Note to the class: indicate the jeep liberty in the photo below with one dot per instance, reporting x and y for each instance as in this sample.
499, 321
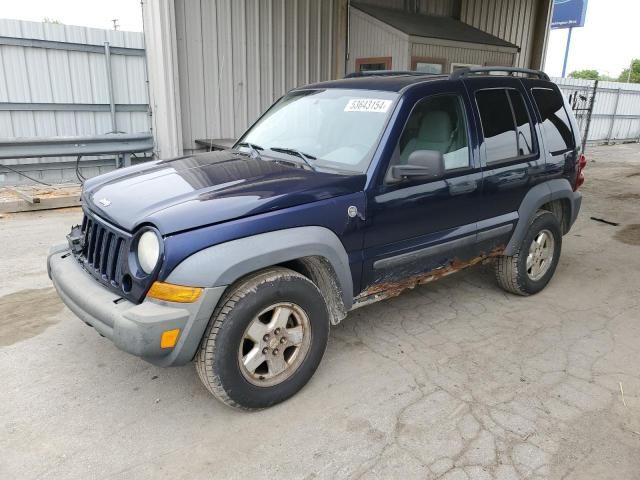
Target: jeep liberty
343, 193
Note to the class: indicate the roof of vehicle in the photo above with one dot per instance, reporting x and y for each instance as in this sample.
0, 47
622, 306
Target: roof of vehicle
389, 83
395, 81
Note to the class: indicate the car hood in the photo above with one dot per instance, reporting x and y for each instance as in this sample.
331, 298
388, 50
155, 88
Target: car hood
204, 189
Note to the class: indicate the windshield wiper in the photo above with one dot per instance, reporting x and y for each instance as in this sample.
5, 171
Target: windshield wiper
253, 147
296, 153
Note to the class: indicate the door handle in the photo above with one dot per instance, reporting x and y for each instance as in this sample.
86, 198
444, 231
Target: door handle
462, 188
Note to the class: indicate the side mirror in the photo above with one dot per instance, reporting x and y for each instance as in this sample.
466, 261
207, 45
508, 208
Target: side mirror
426, 164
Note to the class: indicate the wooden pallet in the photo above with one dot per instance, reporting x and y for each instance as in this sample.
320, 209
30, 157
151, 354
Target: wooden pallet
28, 198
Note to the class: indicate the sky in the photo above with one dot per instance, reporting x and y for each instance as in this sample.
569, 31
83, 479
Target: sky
89, 13
607, 42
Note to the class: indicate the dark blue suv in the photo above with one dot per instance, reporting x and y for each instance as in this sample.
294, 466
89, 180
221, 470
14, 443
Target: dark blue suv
342, 194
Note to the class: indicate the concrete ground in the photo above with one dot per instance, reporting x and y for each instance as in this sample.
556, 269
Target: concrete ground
453, 380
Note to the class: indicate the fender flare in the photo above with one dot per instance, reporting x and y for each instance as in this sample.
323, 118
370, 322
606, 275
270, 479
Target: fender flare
223, 264
542, 193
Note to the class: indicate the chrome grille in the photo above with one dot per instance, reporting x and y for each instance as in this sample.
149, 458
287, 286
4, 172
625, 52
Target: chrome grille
103, 251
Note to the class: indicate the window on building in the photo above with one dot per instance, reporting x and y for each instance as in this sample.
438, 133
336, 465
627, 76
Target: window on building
373, 63
556, 126
460, 66
437, 123
428, 65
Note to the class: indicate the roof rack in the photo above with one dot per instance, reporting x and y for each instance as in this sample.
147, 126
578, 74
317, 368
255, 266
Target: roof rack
385, 73
466, 72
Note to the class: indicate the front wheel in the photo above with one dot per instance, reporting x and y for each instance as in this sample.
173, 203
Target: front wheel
265, 340
531, 267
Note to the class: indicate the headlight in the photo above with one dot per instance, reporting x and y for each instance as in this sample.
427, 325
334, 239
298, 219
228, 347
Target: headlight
148, 251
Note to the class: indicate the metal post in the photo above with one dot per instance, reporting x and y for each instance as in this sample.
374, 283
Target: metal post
566, 53
347, 53
613, 118
112, 103
589, 112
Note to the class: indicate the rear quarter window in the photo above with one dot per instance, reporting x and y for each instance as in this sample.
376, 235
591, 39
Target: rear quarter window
556, 126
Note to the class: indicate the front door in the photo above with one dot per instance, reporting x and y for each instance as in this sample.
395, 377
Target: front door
414, 225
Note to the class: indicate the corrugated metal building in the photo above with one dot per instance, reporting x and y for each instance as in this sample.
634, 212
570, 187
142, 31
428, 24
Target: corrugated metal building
215, 65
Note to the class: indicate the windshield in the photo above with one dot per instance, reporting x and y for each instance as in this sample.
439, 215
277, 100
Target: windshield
334, 128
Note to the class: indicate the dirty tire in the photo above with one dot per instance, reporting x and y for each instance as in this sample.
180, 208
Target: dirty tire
511, 271
217, 361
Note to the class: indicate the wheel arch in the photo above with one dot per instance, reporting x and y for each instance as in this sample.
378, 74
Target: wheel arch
320, 271
553, 194
315, 252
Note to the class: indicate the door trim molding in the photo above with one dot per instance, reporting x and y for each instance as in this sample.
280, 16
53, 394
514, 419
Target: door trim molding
439, 248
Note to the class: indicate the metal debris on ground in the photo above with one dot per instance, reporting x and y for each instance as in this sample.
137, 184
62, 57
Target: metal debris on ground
602, 220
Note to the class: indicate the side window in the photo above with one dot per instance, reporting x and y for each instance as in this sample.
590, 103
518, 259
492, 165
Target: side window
506, 124
437, 123
523, 123
501, 141
558, 136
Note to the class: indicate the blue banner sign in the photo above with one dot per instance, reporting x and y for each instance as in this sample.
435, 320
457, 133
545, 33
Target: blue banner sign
568, 13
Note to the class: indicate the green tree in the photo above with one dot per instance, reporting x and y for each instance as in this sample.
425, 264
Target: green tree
634, 77
586, 74
52, 20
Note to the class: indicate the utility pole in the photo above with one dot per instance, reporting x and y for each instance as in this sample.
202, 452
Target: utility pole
115, 24
566, 52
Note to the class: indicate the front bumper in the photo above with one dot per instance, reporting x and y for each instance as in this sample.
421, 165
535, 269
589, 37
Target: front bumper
136, 329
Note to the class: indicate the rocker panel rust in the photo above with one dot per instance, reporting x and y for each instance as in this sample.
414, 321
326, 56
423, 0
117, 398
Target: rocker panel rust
384, 290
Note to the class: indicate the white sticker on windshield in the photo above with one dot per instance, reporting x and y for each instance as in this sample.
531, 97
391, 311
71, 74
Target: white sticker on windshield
367, 105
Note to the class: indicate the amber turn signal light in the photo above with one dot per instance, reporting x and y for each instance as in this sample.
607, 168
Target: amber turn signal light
174, 293
169, 338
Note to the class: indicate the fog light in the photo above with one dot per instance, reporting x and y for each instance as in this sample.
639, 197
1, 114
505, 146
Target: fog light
169, 338
174, 293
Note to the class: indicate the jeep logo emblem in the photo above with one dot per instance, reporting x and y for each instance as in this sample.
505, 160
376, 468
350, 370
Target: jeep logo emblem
104, 202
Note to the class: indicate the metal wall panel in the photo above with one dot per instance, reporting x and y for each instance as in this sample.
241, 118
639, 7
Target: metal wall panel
235, 57
370, 37
57, 74
509, 20
444, 8
425, 7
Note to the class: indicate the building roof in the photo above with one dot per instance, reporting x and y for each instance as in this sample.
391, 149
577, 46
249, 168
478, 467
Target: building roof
430, 26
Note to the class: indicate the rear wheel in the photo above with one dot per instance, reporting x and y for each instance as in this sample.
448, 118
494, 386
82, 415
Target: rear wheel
265, 340
531, 267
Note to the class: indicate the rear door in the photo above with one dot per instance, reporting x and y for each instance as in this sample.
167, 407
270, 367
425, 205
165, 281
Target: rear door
509, 154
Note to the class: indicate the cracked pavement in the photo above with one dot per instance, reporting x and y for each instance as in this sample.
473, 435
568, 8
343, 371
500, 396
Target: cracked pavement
454, 380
